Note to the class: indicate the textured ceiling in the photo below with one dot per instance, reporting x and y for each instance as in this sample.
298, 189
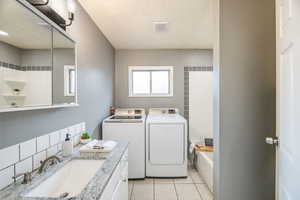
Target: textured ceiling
128, 24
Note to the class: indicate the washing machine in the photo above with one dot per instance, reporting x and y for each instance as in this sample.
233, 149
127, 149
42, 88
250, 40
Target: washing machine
166, 143
128, 124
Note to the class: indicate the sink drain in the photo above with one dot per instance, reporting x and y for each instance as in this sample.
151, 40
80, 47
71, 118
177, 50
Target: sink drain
64, 195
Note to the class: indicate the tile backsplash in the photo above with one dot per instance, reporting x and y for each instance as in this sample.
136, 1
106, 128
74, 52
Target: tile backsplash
27, 155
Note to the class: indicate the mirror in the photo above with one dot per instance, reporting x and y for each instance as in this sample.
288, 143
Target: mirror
64, 70
37, 62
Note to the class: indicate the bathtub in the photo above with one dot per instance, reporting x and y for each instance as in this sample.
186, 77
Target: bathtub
204, 165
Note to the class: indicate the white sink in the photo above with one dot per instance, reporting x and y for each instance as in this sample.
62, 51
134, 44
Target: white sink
69, 180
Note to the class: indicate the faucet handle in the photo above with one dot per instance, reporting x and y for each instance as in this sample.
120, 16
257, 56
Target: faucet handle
27, 177
15, 177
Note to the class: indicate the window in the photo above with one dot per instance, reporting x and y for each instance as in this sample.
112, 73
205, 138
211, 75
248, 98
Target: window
70, 80
150, 81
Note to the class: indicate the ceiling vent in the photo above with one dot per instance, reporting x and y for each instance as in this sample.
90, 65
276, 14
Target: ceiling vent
161, 26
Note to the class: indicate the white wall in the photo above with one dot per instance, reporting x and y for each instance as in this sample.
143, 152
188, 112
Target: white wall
200, 105
38, 88
10, 74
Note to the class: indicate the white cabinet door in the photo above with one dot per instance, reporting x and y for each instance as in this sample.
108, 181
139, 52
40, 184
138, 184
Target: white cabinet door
117, 195
124, 182
121, 190
117, 187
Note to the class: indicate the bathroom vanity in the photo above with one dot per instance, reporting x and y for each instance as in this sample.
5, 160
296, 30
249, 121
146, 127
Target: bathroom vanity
96, 178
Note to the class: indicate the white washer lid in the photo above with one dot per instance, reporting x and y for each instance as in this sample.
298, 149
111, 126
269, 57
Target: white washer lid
166, 118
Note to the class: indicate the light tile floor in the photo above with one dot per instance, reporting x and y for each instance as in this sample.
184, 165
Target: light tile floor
190, 188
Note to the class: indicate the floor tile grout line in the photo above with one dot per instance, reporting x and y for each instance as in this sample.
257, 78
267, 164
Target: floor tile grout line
199, 193
153, 189
131, 192
177, 196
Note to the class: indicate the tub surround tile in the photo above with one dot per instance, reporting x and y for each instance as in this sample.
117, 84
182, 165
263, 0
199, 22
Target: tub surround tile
27, 148
42, 143
188, 69
24, 166
9, 156
6, 177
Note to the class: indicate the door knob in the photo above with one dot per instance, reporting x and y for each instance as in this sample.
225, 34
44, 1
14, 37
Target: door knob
273, 141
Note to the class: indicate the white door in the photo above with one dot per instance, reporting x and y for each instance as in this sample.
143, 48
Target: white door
288, 100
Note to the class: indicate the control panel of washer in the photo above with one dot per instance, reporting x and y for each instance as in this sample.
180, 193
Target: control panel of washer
161, 111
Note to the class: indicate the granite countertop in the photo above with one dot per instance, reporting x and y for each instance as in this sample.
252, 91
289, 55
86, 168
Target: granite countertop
92, 191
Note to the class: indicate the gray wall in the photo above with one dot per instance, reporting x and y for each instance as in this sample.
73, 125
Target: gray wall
36, 57
177, 58
95, 87
247, 100
9, 54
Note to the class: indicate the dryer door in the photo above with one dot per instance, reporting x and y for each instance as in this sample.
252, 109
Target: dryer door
166, 144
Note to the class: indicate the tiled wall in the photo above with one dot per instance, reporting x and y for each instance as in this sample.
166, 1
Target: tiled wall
25, 68
26, 156
188, 69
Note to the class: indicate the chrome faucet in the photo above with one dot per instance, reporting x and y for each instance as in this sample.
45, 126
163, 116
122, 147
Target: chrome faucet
52, 160
27, 176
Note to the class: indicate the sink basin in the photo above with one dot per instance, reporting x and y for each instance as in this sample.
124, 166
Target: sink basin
68, 181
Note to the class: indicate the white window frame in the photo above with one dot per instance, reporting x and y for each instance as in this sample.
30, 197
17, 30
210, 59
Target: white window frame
67, 69
150, 69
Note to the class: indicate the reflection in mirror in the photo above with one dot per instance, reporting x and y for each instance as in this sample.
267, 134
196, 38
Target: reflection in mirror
64, 69
25, 57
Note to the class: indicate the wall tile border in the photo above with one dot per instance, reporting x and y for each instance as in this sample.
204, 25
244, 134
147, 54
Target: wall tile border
7, 172
25, 68
187, 70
